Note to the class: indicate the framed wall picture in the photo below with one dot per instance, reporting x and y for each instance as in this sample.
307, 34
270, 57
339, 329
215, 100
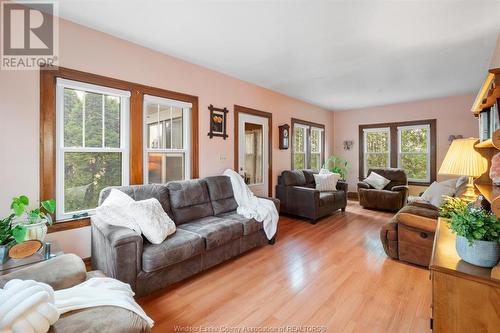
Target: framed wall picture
218, 119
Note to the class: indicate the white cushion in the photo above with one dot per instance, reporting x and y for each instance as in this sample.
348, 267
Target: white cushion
326, 182
377, 181
434, 193
154, 223
115, 210
324, 171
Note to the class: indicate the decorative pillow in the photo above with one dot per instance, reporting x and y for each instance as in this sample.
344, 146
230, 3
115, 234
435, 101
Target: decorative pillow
434, 193
324, 172
115, 210
152, 220
377, 181
326, 182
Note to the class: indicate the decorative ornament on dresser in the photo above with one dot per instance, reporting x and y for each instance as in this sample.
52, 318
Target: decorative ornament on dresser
218, 118
495, 169
35, 220
284, 136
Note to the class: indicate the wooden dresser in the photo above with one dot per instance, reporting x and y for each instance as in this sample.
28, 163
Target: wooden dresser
465, 298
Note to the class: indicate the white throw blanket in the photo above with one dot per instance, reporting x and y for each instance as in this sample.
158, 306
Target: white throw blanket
31, 307
250, 206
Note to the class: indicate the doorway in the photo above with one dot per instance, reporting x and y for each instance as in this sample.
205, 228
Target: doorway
253, 148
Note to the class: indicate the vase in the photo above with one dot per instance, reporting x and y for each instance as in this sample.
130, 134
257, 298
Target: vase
35, 230
480, 253
4, 253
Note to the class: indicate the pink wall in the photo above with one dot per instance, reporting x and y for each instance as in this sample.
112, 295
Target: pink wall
452, 113
495, 59
88, 50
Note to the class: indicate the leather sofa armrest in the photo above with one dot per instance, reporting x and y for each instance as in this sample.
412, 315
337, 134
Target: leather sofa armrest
364, 185
274, 200
342, 186
117, 251
404, 190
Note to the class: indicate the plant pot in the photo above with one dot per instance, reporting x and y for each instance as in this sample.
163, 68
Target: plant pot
35, 230
480, 253
4, 253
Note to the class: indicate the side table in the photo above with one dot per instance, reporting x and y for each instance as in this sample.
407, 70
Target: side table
48, 251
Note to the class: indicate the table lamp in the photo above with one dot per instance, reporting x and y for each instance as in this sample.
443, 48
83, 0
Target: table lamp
463, 160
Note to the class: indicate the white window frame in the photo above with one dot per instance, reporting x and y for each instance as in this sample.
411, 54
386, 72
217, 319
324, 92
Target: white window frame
428, 153
186, 120
320, 144
304, 143
365, 146
61, 149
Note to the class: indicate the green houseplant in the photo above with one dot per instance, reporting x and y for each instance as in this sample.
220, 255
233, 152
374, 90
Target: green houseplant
337, 164
477, 230
34, 220
9, 233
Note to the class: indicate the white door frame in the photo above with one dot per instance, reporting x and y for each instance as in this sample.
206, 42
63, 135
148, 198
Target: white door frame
267, 136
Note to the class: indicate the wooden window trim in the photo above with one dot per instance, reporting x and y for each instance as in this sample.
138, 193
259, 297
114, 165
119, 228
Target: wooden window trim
394, 147
48, 81
308, 151
241, 109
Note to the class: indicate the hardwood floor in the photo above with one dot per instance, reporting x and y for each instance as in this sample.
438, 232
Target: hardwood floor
334, 274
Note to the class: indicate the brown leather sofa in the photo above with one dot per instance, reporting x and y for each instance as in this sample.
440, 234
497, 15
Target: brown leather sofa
298, 196
409, 235
209, 232
390, 198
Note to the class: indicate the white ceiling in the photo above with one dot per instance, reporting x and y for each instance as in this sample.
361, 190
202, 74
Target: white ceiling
336, 54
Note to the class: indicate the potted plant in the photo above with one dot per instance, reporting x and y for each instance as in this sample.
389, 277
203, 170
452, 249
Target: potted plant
35, 220
477, 230
337, 164
9, 234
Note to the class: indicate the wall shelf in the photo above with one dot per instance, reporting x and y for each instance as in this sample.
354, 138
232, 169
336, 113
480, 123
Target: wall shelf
485, 144
491, 193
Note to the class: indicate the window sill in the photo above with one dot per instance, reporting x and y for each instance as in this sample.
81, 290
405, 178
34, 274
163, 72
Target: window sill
419, 183
69, 224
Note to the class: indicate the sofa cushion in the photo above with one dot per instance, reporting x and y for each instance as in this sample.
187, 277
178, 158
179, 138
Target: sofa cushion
309, 176
293, 178
178, 247
189, 200
221, 194
216, 231
142, 192
249, 225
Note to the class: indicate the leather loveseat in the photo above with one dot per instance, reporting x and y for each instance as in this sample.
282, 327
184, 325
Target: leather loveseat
298, 196
209, 231
392, 197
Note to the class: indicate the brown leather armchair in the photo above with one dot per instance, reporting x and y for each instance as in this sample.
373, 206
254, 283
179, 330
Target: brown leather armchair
298, 196
392, 197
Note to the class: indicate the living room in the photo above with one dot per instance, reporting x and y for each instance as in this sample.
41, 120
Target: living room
287, 173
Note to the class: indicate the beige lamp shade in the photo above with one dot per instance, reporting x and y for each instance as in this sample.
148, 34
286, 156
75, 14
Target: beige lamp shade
463, 160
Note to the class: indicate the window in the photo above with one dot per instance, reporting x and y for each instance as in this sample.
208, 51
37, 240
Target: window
406, 145
414, 152
92, 149
167, 132
308, 145
377, 148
